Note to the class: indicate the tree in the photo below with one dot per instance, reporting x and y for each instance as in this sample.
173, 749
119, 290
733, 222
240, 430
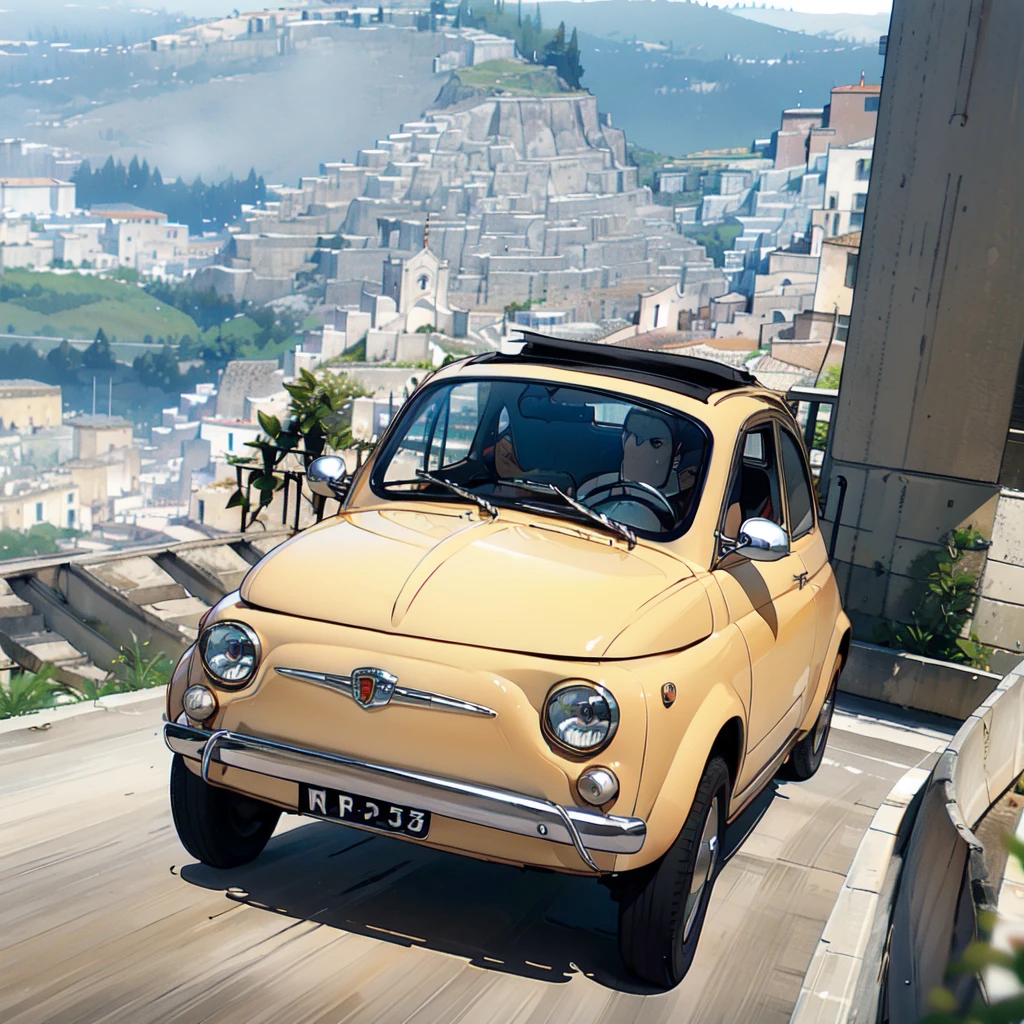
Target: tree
536, 20
565, 58
63, 361
98, 355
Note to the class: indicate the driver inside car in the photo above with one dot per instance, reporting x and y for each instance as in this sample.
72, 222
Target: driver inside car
646, 491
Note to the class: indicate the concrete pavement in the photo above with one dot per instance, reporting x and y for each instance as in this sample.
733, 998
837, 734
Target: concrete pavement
103, 917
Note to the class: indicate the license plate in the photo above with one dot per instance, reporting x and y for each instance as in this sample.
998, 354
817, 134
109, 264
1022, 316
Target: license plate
361, 810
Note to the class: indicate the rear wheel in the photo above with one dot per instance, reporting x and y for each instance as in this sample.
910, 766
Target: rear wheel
662, 907
218, 827
810, 751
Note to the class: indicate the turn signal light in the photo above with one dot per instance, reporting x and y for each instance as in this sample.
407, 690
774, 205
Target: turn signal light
199, 703
597, 786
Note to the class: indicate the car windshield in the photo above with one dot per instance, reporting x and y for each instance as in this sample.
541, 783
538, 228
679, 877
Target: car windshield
514, 442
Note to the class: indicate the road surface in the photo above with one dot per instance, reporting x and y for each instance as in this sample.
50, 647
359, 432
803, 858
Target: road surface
104, 917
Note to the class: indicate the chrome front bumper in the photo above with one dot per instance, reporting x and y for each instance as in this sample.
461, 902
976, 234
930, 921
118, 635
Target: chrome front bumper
587, 831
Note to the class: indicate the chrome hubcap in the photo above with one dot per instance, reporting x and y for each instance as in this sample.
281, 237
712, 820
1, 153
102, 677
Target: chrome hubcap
703, 869
821, 729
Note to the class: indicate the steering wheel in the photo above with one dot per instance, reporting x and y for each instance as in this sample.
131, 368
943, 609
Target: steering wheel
635, 490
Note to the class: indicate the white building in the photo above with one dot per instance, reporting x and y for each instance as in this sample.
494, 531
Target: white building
52, 498
36, 197
144, 239
846, 189
228, 437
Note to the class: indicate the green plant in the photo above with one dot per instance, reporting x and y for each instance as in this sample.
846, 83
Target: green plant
820, 435
979, 955
940, 619
521, 307
28, 691
319, 417
138, 669
90, 690
831, 377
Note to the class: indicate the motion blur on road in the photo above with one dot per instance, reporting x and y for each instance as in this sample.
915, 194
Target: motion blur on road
104, 917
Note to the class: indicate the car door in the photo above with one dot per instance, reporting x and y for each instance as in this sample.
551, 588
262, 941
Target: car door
769, 601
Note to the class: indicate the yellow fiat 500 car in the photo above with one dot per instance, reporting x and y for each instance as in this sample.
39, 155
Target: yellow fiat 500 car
575, 613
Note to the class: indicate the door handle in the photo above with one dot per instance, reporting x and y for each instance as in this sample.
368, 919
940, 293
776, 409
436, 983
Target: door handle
801, 578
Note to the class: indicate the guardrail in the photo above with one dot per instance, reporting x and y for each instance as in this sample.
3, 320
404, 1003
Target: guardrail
928, 886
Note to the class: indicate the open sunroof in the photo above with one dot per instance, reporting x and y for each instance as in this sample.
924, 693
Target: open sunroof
689, 375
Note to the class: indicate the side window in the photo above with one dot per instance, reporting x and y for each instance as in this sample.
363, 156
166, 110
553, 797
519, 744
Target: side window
754, 490
798, 488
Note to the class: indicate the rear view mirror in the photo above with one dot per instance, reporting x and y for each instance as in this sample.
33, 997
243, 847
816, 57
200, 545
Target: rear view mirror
328, 477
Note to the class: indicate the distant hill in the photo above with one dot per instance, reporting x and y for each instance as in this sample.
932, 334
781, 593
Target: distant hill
859, 28
500, 78
692, 30
676, 104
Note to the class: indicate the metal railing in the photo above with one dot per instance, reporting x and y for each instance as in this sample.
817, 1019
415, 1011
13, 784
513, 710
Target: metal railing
813, 407
294, 490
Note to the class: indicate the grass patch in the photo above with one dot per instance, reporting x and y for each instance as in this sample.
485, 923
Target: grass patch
77, 306
243, 331
37, 540
716, 239
135, 668
512, 77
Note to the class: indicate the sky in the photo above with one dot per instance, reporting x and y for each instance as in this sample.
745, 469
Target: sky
818, 6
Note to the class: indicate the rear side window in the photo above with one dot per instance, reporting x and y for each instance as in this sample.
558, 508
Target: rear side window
798, 488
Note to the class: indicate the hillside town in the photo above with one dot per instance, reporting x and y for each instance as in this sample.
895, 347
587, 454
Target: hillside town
493, 213
512, 512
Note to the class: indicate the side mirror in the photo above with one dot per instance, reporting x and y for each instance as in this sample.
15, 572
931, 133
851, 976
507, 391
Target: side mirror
761, 540
328, 477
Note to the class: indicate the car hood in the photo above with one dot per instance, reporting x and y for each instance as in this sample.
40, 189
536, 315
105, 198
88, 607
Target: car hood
537, 586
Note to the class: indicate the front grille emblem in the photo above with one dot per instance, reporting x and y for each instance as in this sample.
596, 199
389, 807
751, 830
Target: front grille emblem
372, 687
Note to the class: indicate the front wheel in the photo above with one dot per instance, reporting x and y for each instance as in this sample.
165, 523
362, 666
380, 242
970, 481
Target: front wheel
218, 827
662, 906
808, 754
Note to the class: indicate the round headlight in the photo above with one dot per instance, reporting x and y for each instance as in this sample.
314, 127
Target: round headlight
230, 652
580, 717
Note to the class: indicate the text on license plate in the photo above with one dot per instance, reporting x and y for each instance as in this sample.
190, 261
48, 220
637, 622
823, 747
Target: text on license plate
361, 810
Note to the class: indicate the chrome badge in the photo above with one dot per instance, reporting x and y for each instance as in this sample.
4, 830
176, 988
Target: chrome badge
372, 687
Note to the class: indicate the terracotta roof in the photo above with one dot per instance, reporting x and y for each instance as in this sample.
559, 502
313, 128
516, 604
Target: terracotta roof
124, 211
31, 182
651, 340
851, 240
20, 385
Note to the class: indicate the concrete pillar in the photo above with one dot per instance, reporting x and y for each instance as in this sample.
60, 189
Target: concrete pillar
938, 316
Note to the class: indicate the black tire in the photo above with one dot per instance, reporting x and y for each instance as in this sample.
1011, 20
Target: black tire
218, 827
660, 918
808, 754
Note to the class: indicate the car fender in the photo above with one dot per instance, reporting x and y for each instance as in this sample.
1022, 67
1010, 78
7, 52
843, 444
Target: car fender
178, 685
675, 794
841, 629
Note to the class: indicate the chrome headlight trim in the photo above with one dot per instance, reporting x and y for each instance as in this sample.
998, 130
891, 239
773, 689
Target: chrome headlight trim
598, 690
250, 635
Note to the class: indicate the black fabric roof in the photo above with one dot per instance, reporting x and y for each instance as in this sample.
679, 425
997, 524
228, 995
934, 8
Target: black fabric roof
688, 375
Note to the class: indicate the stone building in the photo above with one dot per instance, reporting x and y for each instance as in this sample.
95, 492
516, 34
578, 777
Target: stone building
97, 435
36, 197
528, 199
29, 404
245, 379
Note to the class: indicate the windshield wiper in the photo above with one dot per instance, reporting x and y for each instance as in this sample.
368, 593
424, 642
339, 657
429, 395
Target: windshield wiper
599, 517
482, 503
